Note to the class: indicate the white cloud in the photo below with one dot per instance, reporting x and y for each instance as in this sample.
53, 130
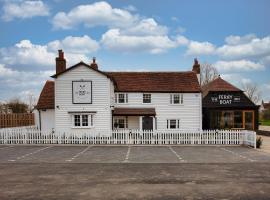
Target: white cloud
236, 40
14, 83
96, 14
182, 40
130, 8
146, 27
245, 48
116, 41
24, 9
238, 65
77, 45
102, 14
26, 53
34, 57
200, 48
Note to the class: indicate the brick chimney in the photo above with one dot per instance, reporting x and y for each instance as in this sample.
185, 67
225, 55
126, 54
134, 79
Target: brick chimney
94, 65
60, 62
197, 69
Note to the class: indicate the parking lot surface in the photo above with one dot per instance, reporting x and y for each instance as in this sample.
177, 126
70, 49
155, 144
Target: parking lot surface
130, 154
133, 172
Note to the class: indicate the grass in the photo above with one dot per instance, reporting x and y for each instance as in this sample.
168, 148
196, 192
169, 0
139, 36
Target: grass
265, 122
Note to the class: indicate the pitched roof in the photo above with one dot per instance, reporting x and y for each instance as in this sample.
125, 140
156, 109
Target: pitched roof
46, 98
77, 65
132, 82
155, 81
219, 85
134, 111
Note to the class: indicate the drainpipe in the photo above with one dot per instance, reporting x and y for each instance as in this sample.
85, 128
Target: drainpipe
39, 117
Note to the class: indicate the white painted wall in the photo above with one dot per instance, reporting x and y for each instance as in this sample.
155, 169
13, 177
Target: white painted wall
190, 113
47, 119
101, 99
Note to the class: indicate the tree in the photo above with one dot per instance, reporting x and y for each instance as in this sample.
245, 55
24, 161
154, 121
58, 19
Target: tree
17, 106
252, 91
31, 101
208, 73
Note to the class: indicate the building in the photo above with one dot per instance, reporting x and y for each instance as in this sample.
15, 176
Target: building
227, 107
264, 106
84, 98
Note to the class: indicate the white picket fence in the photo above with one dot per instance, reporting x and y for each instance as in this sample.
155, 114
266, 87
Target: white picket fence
31, 135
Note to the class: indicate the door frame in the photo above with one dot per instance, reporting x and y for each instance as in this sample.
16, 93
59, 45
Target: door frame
244, 118
142, 117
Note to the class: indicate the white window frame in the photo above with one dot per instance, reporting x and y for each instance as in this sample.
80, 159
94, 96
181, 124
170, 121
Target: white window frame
181, 98
177, 125
90, 119
116, 120
125, 98
147, 94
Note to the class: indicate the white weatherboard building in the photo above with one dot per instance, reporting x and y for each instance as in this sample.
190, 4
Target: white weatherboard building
83, 98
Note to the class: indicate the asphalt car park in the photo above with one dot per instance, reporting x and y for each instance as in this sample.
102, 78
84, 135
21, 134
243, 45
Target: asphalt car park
133, 172
130, 154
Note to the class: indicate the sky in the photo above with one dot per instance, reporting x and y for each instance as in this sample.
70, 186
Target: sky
133, 35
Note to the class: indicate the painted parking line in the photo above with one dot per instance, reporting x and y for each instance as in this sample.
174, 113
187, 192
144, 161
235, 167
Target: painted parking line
127, 155
237, 154
29, 154
176, 154
78, 154
6, 147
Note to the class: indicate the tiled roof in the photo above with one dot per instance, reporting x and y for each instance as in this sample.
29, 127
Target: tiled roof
46, 98
155, 81
134, 111
133, 82
219, 85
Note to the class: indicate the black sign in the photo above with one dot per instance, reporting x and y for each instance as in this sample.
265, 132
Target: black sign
225, 99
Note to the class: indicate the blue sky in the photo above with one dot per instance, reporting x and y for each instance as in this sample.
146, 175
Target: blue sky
128, 35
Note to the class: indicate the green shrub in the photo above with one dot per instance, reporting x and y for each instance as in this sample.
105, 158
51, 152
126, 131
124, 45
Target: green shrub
259, 142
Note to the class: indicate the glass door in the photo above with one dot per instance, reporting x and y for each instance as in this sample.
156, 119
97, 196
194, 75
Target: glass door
249, 119
227, 119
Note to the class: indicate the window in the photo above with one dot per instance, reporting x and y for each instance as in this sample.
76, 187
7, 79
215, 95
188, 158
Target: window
82, 120
120, 123
146, 98
173, 124
121, 98
77, 120
176, 99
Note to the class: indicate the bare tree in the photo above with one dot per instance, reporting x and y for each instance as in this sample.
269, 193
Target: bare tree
208, 73
17, 106
31, 101
252, 91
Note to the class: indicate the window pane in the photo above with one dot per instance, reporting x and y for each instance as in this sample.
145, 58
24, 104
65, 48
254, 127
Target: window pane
172, 124
77, 120
176, 99
121, 123
146, 98
84, 120
238, 119
121, 98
